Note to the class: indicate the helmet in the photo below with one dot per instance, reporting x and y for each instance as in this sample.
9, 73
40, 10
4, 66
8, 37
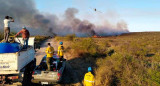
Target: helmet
24, 27
61, 43
89, 69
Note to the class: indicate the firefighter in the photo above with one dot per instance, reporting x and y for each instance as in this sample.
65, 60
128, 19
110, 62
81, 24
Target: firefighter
60, 54
89, 78
61, 51
49, 51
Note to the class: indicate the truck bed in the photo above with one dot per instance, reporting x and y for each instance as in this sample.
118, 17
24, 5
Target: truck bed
42, 76
11, 63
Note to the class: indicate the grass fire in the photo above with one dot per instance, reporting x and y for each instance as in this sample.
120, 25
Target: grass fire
79, 43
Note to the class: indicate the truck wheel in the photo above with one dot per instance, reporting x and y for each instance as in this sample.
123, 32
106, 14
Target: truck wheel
26, 79
28, 74
34, 63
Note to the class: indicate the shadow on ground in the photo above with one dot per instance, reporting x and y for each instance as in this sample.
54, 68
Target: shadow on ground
77, 67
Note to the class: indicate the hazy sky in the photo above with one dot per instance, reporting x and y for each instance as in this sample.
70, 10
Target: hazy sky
140, 15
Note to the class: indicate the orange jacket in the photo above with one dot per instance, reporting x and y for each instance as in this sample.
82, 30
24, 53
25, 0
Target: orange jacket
25, 33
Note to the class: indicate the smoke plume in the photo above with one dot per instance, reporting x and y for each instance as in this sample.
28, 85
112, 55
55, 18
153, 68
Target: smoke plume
25, 14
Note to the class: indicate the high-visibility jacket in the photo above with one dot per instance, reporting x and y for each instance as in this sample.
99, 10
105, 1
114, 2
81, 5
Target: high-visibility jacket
49, 51
89, 79
60, 50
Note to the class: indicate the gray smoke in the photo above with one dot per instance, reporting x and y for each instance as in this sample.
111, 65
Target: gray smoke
78, 27
21, 10
25, 14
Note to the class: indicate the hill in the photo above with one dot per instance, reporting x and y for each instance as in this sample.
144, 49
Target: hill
128, 59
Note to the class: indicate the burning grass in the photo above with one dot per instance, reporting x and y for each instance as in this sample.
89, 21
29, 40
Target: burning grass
132, 59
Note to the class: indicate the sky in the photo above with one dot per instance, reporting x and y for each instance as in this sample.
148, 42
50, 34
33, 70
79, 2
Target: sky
140, 15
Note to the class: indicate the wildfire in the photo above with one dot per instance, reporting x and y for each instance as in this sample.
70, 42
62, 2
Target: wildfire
96, 36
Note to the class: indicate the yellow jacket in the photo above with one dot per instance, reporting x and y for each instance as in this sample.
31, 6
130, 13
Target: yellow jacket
49, 51
60, 50
89, 79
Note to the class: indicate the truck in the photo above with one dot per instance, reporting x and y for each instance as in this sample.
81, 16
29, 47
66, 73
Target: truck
18, 66
42, 76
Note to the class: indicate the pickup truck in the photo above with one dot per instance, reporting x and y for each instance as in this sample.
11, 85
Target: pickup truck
42, 76
16, 66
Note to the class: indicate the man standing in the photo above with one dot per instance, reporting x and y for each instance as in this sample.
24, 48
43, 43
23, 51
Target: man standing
60, 54
89, 78
7, 21
61, 51
49, 51
25, 35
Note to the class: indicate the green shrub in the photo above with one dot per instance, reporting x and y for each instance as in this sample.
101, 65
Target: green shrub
135, 62
39, 39
69, 37
127, 60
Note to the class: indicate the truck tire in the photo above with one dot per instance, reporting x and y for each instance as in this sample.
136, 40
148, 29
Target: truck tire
28, 73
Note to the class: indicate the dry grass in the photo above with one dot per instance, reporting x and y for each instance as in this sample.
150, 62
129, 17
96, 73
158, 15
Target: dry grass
131, 59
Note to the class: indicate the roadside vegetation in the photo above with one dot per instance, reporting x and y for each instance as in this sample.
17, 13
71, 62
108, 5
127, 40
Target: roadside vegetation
130, 59
40, 39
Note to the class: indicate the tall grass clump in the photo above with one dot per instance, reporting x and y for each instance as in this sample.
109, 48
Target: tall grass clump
135, 62
127, 60
87, 47
124, 70
40, 39
69, 37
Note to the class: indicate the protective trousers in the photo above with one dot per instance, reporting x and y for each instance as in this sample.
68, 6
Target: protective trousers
49, 61
6, 33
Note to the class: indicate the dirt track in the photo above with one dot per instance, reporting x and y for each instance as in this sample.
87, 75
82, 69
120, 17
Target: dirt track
69, 75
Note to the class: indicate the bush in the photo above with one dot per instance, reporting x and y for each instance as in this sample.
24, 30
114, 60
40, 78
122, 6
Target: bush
135, 62
70, 37
39, 39
127, 60
66, 38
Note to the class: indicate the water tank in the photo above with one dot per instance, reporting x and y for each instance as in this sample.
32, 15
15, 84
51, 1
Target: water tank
9, 47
